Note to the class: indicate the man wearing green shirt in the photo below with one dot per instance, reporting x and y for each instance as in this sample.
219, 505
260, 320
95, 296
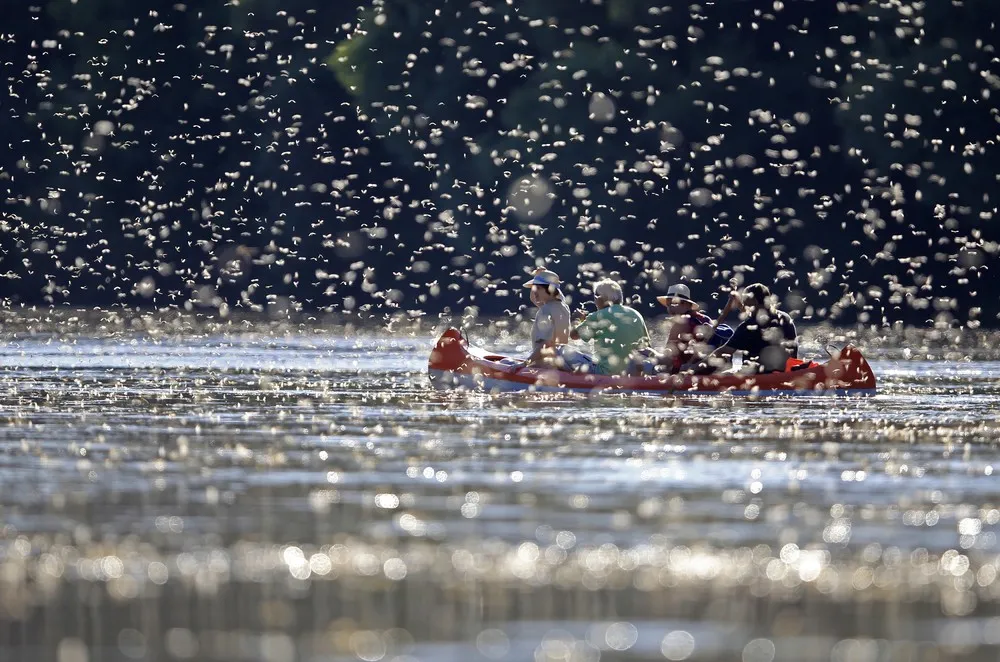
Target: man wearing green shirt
617, 330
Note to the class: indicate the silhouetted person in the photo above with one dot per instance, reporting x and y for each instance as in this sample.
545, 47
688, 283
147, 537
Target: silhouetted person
766, 335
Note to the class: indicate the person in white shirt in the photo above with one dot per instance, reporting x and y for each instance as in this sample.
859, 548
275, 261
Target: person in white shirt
551, 331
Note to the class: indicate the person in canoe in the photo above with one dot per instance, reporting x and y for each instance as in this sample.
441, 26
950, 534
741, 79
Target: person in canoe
693, 334
766, 336
551, 330
618, 331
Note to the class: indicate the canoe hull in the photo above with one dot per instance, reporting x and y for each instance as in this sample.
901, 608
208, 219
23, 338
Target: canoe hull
454, 364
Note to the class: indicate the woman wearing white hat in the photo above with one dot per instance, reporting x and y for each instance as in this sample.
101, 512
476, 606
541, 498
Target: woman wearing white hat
550, 332
693, 334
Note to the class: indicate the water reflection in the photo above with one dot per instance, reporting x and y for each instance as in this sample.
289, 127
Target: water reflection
238, 497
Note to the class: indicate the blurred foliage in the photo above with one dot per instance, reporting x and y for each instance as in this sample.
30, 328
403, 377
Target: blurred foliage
422, 156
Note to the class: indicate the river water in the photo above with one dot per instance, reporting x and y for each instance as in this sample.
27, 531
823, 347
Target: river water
245, 494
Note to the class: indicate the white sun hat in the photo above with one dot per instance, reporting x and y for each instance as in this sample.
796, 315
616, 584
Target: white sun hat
678, 292
543, 277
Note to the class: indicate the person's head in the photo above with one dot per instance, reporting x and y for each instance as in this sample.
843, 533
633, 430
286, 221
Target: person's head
544, 287
757, 295
678, 300
607, 293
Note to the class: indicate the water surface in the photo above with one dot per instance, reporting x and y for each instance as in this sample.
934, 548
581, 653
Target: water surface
305, 495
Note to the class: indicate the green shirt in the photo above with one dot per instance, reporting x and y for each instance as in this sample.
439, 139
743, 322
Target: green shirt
616, 331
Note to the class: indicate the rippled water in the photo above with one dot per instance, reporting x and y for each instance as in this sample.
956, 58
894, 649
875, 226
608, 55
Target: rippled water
306, 496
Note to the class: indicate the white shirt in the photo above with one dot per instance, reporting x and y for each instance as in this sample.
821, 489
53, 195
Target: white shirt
551, 324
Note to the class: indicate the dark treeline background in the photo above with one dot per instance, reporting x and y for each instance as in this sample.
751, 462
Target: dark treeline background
421, 157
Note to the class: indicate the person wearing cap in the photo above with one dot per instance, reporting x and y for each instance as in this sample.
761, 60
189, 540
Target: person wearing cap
618, 331
693, 334
551, 329
767, 336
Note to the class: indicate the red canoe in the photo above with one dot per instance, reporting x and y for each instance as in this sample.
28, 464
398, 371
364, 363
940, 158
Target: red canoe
454, 364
